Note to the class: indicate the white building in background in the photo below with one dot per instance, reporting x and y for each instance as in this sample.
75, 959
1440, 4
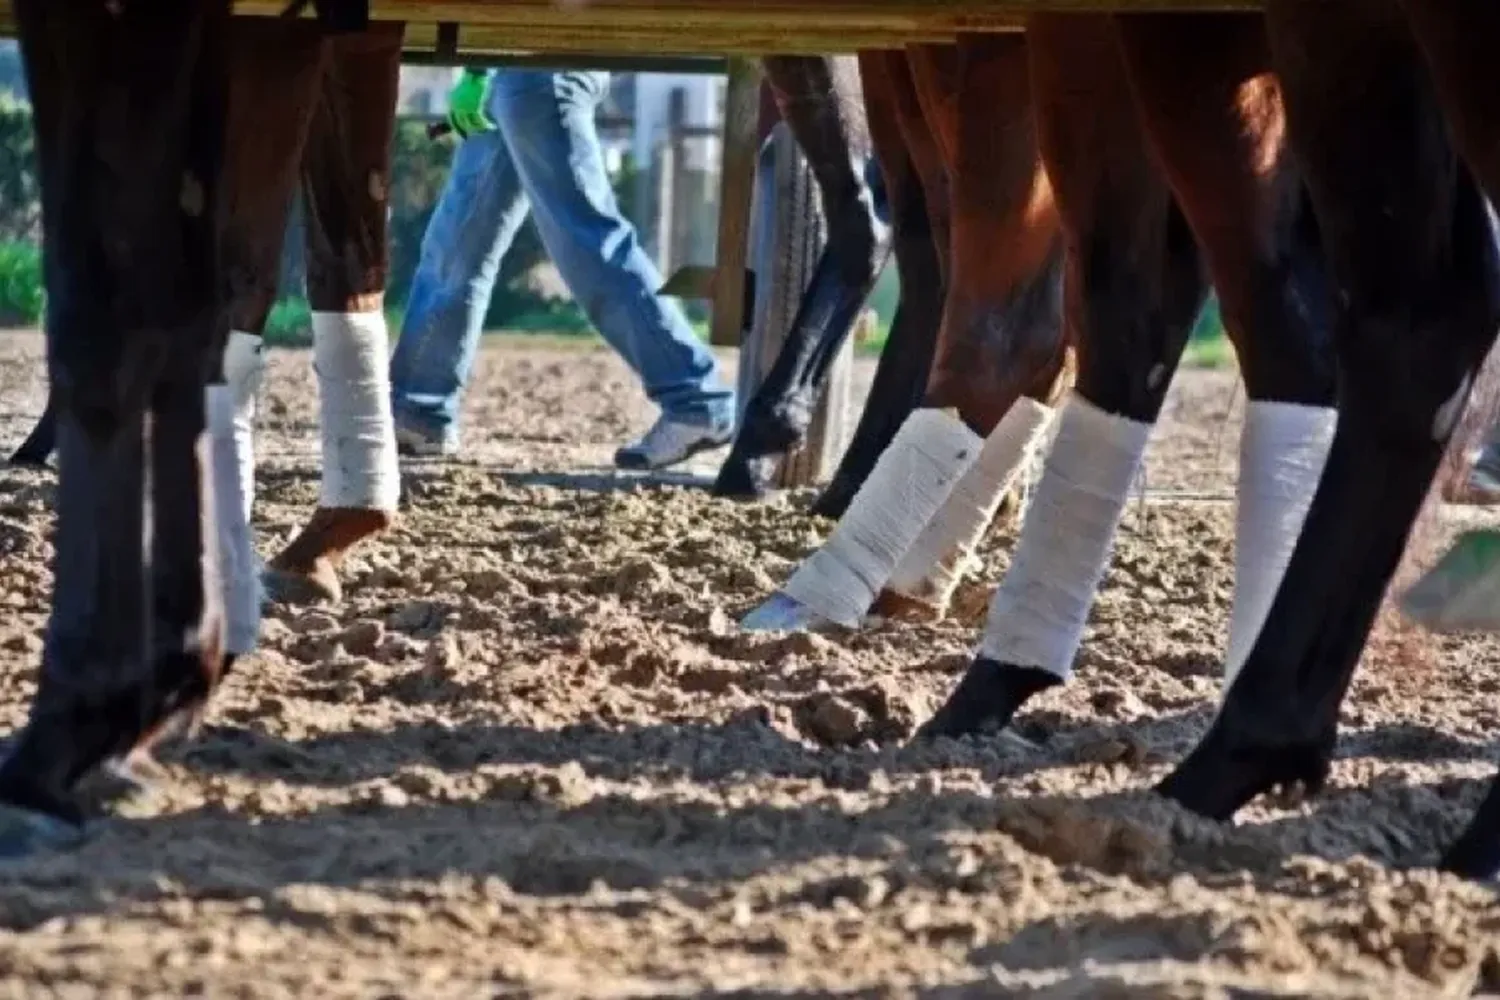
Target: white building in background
644, 97
423, 90
703, 106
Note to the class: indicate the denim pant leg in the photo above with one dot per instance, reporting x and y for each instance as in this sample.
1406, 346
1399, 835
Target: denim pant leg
476, 220
547, 120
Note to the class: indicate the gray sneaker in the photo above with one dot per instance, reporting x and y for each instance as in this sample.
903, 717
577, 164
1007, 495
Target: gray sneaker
1484, 475
419, 444
669, 442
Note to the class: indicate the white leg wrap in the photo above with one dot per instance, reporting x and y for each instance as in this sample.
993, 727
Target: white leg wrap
1039, 611
351, 355
231, 430
932, 567
915, 474
1283, 449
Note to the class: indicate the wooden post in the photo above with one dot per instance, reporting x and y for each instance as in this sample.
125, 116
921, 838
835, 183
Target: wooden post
736, 187
789, 233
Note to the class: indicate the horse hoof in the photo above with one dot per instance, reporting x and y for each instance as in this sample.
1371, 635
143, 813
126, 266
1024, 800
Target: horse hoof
833, 501
320, 586
779, 613
986, 700
742, 478
1223, 774
121, 779
905, 608
24, 832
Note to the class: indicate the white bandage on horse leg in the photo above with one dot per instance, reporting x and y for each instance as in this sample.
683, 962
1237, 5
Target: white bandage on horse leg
1039, 611
915, 474
1283, 448
932, 567
351, 356
231, 429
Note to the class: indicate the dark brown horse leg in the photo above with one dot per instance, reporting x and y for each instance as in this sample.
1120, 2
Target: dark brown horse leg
916, 232
934, 490
346, 176
131, 107
819, 100
42, 440
1213, 111
1411, 251
1457, 41
1135, 286
274, 69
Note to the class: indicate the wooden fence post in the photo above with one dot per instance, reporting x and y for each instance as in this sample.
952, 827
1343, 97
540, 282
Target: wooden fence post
736, 186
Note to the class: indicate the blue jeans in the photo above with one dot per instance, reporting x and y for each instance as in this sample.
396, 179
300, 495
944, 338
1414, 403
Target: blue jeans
544, 157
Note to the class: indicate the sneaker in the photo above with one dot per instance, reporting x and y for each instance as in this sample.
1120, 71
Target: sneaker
414, 443
668, 443
1484, 476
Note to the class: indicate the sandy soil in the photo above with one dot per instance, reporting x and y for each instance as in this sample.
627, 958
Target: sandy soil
528, 756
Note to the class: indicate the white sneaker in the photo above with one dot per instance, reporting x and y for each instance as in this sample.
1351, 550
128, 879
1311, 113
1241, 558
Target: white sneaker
669, 442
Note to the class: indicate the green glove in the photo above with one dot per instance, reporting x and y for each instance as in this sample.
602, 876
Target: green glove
466, 103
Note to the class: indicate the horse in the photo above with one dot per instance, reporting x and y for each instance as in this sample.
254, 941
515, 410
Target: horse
1158, 186
1411, 247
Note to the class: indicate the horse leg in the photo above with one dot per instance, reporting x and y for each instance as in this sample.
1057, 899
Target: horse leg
1411, 251
274, 66
901, 374
1000, 353
819, 100
1134, 287
1213, 112
346, 177
131, 108
1457, 41
42, 440
1001, 320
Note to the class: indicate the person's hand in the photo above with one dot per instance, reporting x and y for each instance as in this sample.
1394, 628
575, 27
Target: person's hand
466, 104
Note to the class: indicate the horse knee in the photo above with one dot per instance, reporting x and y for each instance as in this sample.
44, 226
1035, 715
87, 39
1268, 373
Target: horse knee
1133, 311
989, 353
1409, 354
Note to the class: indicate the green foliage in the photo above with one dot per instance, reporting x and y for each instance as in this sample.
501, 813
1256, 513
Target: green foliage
20, 193
22, 295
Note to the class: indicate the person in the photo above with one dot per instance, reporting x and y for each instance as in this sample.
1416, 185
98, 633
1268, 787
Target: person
530, 143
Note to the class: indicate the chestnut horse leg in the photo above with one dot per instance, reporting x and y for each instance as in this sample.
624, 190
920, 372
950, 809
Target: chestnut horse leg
131, 108
819, 100
1134, 287
345, 181
1000, 353
1411, 250
276, 69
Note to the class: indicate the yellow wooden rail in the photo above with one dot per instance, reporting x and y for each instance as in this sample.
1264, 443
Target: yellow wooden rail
719, 27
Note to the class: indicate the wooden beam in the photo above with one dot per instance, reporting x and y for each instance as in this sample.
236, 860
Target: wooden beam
736, 187
546, 37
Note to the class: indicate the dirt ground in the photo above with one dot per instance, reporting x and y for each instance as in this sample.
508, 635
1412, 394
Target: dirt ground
529, 756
